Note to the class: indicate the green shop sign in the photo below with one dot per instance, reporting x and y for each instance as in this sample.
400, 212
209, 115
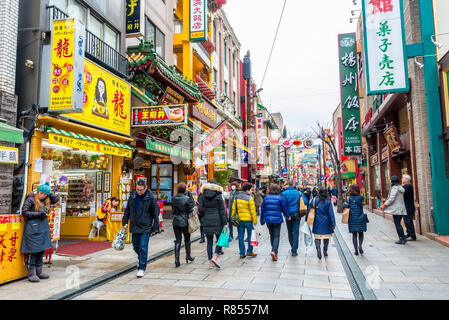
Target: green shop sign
166, 148
350, 107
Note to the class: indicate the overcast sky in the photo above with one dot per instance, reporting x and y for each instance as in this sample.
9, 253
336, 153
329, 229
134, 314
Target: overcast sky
302, 81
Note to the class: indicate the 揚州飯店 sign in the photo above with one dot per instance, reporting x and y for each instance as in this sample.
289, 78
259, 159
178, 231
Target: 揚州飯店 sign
198, 20
385, 49
350, 108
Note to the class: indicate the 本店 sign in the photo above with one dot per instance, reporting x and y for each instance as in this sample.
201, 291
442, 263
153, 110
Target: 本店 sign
135, 10
350, 108
107, 100
198, 20
385, 49
159, 116
9, 155
67, 60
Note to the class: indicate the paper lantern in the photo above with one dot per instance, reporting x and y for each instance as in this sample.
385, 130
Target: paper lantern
297, 142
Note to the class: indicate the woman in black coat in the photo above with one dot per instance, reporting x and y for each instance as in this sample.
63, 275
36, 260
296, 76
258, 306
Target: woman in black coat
182, 206
357, 218
212, 211
36, 234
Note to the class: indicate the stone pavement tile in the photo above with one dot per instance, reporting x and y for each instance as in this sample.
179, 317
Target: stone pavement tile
273, 274
427, 273
111, 295
249, 286
433, 286
424, 295
258, 295
227, 271
277, 281
325, 273
217, 293
309, 297
183, 276
303, 291
409, 279
401, 268
327, 285
27, 295
293, 271
435, 268
90, 295
443, 279
338, 279
153, 282
292, 276
383, 294
382, 285
121, 287
165, 289
199, 284
178, 297
228, 278
342, 294
374, 262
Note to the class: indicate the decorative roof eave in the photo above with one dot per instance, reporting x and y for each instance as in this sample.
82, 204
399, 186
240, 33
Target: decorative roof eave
143, 97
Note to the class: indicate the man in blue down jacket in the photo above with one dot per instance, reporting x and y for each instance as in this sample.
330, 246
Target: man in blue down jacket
292, 200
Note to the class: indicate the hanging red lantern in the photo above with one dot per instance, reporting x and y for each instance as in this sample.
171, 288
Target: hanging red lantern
297, 142
298, 165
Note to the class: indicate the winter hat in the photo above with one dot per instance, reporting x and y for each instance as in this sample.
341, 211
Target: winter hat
44, 188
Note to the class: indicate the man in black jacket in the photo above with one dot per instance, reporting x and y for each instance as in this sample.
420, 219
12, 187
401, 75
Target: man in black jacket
409, 200
142, 212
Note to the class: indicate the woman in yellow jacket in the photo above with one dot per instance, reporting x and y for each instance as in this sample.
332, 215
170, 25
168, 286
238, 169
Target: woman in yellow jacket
245, 207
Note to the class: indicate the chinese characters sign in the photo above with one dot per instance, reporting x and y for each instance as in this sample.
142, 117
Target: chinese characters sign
67, 65
215, 138
166, 148
160, 116
350, 109
107, 100
9, 155
384, 40
134, 18
198, 20
260, 147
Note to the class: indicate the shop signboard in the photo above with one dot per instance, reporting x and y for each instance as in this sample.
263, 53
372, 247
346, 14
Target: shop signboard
198, 20
165, 148
171, 97
350, 107
67, 66
9, 155
135, 18
216, 138
107, 100
88, 145
260, 147
205, 113
220, 163
385, 48
392, 137
160, 116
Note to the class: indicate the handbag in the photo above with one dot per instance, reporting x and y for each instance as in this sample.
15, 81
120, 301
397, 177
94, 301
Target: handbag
254, 238
303, 211
235, 220
345, 215
194, 222
120, 238
311, 217
223, 241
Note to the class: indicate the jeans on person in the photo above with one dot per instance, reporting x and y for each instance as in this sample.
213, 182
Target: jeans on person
210, 244
293, 233
408, 220
397, 222
275, 235
245, 225
231, 229
34, 260
140, 245
179, 231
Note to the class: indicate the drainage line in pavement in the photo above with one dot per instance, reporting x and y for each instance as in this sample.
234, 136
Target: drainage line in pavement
92, 284
355, 276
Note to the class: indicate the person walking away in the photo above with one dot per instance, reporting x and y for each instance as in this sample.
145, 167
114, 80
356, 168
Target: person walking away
324, 223
142, 213
314, 192
182, 206
202, 240
36, 234
273, 207
258, 199
334, 195
212, 212
409, 200
396, 207
292, 200
235, 188
245, 208
357, 217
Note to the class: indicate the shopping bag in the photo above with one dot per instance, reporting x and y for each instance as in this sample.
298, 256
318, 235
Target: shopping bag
194, 222
254, 238
305, 230
120, 238
345, 216
223, 241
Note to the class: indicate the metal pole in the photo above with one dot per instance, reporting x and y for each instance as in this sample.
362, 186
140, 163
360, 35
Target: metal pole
437, 156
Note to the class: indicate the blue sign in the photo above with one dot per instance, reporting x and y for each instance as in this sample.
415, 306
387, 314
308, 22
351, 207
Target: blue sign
284, 170
243, 156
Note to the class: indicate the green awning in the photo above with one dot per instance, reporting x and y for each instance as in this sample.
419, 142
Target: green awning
346, 175
10, 134
88, 138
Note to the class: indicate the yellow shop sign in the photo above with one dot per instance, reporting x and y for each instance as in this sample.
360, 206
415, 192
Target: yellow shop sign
88, 145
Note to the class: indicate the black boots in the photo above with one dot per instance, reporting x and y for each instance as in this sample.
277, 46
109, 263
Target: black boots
177, 253
202, 234
188, 256
401, 241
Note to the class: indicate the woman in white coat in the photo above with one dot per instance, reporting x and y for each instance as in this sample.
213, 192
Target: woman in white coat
395, 206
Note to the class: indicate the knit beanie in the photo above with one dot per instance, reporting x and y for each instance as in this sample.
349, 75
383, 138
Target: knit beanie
45, 188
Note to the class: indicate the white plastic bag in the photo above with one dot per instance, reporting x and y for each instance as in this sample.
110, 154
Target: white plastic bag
254, 238
120, 239
305, 230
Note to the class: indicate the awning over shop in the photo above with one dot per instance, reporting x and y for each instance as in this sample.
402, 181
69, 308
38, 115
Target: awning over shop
345, 176
10, 134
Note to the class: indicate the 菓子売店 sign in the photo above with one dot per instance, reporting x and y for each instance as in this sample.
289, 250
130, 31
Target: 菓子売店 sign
385, 49
67, 66
107, 100
135, 13
88, 145
159, 116
350, 107
198, 20
9, 155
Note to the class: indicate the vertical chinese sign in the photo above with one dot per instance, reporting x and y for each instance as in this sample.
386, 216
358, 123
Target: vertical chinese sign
135, 22
350, 108
67, 66
260, 147
385, 49
198, 20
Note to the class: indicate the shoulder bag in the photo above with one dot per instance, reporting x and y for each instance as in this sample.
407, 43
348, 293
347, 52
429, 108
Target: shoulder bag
311, 216
303, 211
345, 215
235, 220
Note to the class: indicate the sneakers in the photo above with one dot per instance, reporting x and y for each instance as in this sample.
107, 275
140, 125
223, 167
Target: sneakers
252, 254
401, 242
215, 261
140, 273
274, 256
211, 264
242, 256
294, 254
